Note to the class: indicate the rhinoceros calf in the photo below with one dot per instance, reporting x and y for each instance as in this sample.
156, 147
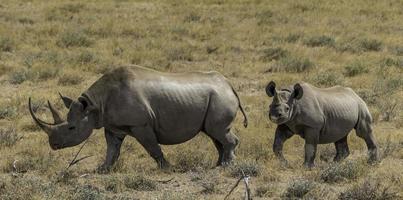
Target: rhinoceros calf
320, 116
153, 107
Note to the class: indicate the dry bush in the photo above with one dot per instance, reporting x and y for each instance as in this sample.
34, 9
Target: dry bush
87, 192
298, 189
293, 64
347, 170
327, 79
139, 183
267, 190
249, 167
6, 44
355, 68
270, 54
369, 189
370, 45
320, 41
70, 78
8, 137
74, 39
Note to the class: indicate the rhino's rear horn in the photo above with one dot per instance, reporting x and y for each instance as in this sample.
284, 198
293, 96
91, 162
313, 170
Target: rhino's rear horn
56, 115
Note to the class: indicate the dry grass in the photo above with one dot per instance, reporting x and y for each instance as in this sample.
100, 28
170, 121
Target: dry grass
51, 46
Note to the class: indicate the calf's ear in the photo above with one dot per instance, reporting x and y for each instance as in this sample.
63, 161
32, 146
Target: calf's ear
271, 89
298, 91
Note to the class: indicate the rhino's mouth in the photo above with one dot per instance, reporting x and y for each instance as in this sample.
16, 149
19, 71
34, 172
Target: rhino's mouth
277, 120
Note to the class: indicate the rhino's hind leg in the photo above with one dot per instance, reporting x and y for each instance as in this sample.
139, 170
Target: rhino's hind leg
147, 138
114, 142
341, 149
219, 148
364, 131
228, 142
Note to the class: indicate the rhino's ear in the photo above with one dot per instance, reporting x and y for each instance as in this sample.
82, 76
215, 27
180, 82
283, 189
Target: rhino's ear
271, 89
87, 104
298, 91
66, 100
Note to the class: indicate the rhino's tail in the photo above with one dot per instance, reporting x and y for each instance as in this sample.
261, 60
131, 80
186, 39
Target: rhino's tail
245, 121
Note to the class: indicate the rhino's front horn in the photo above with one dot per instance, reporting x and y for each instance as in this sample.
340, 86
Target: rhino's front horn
56, 115
44, 125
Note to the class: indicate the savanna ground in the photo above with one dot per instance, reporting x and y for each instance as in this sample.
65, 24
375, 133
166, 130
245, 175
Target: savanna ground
51, 46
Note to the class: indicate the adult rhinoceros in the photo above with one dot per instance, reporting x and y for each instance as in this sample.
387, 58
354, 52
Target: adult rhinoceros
153, 107
320, 116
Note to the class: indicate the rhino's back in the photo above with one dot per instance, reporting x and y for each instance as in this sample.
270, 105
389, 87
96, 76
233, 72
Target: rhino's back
176, 102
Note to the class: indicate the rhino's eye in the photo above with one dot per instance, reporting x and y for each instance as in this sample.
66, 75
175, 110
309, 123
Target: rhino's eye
72, 127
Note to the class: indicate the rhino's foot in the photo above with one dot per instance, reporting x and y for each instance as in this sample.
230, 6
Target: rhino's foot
308, 165
103, 169
340, 157
373, 158
163, 164
284, 163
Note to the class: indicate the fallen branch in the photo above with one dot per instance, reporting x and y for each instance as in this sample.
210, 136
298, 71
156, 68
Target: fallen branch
165, 181
233, 188
247, 191
74, 160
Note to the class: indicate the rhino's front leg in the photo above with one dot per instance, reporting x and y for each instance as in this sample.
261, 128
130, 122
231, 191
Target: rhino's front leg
282, 134
311, 143
114, 142
147, 138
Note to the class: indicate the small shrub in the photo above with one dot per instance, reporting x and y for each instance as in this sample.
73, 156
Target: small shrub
298, 189
8, 137
293, 37
338, 172
320, 41
250, 168
192, 17
264, 17
265, 191
389, 108
389, 62
295, 65
209, 187
174, 195
44, 73
355, 69
74, 39
26, 21
8, 112
274, 54
112, 184
192, 161
85, 57
179, 54
327, 79
139, 183
369, 189
6, 44
370, 45
87, 192
70, 79
398, 50
72, 8
19, 76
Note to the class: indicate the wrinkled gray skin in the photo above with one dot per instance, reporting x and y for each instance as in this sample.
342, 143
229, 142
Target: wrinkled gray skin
153, 107
320, 116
